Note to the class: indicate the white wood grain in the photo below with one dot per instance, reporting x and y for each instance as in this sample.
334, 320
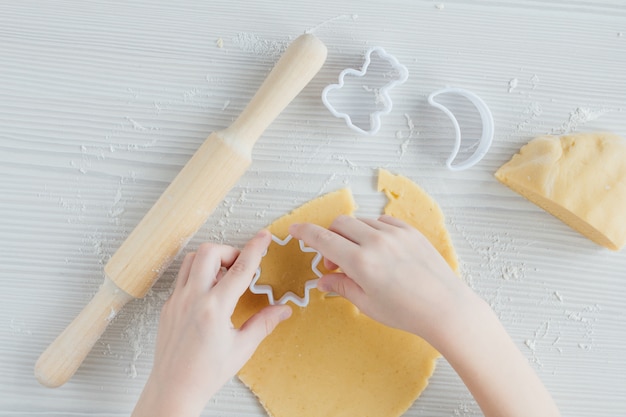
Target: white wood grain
101, 103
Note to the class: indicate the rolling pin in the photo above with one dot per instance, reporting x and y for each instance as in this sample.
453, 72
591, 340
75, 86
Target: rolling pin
180, 211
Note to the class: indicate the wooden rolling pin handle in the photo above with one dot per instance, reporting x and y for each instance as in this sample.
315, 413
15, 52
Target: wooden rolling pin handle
61, 359
296, 67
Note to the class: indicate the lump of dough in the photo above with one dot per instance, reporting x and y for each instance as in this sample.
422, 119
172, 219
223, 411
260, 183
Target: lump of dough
328, 359
579, 178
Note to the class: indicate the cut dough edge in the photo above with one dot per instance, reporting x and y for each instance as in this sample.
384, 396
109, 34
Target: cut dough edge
561, 213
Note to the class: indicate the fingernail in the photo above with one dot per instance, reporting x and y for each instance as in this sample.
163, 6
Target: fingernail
323, 286
285, 314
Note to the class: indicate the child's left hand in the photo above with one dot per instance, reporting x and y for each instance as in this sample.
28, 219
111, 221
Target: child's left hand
198, 350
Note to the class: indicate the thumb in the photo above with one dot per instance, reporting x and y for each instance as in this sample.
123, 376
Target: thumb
343, 285
259, 326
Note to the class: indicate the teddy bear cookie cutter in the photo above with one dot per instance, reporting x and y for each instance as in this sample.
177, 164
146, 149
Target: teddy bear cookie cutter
382, 93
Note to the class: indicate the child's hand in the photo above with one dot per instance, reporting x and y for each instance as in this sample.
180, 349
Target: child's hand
198, 350
388, 270
394, 275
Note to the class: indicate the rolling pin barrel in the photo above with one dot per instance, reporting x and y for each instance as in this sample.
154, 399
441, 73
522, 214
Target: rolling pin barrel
181, 210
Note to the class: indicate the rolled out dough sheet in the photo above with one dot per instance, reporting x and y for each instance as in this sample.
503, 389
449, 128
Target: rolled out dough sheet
328, 359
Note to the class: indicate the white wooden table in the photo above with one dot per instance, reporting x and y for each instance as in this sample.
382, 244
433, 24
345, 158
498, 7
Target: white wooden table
101, 103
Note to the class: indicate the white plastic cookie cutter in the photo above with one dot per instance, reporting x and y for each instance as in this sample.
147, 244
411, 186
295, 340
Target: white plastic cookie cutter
289, 296
488, 127
383, 92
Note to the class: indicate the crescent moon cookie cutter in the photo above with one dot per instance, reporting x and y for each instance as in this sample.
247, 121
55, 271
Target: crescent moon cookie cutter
289, 295
486, 138
382, 94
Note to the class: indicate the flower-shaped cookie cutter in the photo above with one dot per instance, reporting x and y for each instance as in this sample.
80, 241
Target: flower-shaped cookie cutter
488, 127
383, 93
289, 296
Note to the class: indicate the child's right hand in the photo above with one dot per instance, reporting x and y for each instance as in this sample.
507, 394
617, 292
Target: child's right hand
388, 270
394, 275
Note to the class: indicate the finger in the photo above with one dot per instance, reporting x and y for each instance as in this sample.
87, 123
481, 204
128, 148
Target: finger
390, 220
343, 285
207, 263
378, 225
241, 272
183, 272
337, 249
221, 273
330, 265
352, 229
259, 326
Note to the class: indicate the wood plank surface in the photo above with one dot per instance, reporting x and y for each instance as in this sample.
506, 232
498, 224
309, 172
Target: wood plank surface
103, 102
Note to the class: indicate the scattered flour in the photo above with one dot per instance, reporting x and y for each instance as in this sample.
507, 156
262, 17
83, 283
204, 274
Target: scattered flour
135, 124
531, 344
534, 81
404, 146
467, 407
570, 330
116, 210
513, 84
111, 315
19, 327
353, 18
505, 270
330, 179
531, 113
410, 125
579, 117
411, 134
345, 160
540, 334
250, 42
141, 329
512, 272
242, 196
